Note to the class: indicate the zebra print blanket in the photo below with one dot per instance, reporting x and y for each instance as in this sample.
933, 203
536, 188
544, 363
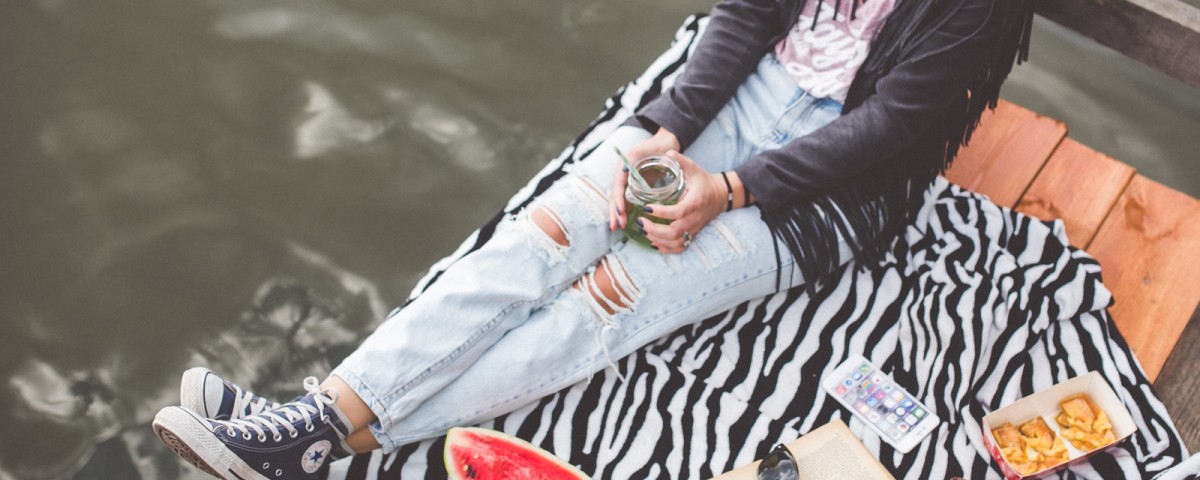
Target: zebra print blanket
983, 305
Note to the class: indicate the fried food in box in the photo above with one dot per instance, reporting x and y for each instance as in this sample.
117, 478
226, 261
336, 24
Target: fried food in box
1032, 447
1013, 448
1039, 437
1084, 425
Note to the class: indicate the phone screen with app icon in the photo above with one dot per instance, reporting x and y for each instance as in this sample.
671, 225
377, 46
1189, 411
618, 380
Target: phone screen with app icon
898, 417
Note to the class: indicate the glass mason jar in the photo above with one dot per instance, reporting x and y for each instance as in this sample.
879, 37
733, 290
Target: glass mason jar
665, 187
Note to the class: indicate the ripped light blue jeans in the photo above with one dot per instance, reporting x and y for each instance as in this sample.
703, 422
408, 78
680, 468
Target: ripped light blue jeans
512, 322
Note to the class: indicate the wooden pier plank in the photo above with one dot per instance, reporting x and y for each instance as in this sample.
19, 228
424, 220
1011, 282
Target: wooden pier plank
1164, 34
1006, 152
1178, 385
1149, 248
1078, 185
1020, 158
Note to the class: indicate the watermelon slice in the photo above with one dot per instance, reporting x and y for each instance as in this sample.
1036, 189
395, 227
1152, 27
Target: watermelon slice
482, 454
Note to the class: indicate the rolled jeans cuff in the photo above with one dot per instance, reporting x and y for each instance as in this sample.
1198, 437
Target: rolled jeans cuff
383, 420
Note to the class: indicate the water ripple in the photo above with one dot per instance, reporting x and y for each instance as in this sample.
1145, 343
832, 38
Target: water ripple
327, 27
329, 126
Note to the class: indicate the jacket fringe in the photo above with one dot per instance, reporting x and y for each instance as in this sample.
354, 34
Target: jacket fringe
872, 210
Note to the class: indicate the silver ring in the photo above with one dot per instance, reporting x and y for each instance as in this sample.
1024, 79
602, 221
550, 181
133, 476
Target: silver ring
687, 239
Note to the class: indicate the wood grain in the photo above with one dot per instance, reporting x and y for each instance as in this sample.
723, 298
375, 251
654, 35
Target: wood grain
1078, 185
1179, 386
1149, 248
1006, 153
1164, 34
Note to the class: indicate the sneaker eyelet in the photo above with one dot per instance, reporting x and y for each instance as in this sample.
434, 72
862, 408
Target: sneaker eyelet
310, 428
277, 438
262, 438
279, 472
295, 434
246, 436
266, 465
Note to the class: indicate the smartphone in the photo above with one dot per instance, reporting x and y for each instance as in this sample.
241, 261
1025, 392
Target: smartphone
898, 417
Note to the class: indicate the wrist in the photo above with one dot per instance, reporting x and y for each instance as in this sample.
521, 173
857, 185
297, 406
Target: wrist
715, 192
666, 137
741, 196
727, 199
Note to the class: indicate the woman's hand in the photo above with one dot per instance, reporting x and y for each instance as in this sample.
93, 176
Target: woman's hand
704, 199
662, 142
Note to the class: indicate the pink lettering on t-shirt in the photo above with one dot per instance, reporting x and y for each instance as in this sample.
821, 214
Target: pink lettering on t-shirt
823, 58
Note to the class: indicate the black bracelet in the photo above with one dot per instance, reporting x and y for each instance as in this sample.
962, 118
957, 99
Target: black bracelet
729, 193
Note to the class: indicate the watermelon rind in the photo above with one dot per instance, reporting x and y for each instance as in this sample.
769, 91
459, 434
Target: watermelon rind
461, 436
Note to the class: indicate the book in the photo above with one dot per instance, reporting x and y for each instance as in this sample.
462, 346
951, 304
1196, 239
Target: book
830, 452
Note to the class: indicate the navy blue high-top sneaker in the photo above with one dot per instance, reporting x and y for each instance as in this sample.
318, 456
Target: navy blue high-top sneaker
292, 441
211, 396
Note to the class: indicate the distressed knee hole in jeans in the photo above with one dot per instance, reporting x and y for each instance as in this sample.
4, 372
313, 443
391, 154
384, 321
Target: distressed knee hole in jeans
608, 290
546, 234
546, 225
548, 222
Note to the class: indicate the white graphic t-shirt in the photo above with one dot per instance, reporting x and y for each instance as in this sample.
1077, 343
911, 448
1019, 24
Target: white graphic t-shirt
824, 58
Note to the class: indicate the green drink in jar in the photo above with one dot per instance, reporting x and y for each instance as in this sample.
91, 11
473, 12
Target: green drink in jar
664, 186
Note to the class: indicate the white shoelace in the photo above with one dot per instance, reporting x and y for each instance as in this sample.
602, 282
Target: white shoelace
243, 400
285, 415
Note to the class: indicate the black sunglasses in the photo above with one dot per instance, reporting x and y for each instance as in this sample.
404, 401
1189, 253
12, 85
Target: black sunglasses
779, 465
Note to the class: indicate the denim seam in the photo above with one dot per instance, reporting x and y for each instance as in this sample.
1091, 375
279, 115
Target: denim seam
797, 100
458, 351
471, 341
644, 325
463, 419
575, 369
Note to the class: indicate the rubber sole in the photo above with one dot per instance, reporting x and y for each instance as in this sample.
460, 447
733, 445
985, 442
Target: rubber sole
185, 434
183, 450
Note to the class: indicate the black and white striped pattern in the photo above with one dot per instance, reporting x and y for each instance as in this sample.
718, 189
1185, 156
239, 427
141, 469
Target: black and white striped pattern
983, 306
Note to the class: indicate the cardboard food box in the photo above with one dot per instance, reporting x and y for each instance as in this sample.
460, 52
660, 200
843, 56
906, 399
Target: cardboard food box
1045, 404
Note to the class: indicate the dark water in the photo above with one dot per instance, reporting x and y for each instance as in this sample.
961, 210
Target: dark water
252, 184
1113, 104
